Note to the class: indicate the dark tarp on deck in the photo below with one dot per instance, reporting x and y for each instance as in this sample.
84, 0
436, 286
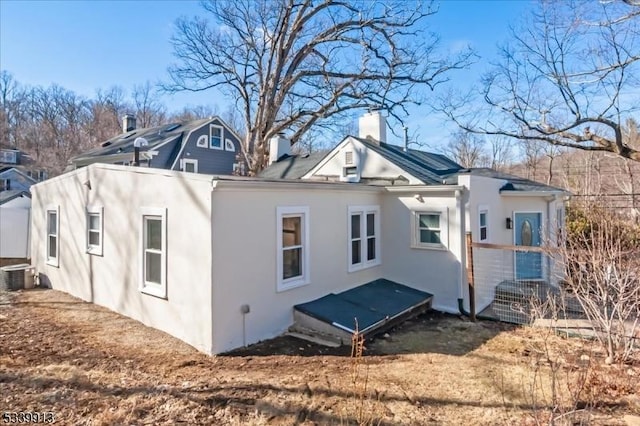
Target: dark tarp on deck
369, 304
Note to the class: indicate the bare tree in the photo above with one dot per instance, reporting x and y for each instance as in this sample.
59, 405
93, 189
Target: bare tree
467, 149
569, 78
149, 110
602, 272
12, 110
290, 65
501, 156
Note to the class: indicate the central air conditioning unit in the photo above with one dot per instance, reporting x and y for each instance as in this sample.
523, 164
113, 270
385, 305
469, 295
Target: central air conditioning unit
350, 166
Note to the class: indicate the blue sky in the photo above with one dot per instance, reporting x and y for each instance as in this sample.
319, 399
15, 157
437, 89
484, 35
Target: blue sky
87, 45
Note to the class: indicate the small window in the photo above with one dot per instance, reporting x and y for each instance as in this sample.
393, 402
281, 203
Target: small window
364, 240
293, 247
348, 157
202, 141
94, 230
428, 230
53, 240
190, 166
153, 266
483, 223
229, 146
215, 136
5, 184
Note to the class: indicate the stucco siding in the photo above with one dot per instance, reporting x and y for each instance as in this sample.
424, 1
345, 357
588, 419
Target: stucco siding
245, 257
112, 279
370, 164
436, 271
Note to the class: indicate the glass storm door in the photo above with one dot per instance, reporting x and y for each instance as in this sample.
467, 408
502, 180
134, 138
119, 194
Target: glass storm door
527, 233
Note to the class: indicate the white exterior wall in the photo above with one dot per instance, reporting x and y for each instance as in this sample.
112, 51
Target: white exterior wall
495, 265
245, 255
370, 164
437, 271
14, 228
112, 280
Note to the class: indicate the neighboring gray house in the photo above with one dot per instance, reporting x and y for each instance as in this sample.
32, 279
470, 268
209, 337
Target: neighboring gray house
206, 146
16, 171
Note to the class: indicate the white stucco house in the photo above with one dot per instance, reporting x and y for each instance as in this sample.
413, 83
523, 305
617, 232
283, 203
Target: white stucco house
220, 262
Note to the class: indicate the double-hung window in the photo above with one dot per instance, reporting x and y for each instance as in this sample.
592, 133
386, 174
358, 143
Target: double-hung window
215, 136
293, 247
428, 230
53, 237
483, 223
94, 230
153, 271
364, 237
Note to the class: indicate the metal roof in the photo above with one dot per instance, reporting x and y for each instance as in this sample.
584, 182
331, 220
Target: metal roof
292, 166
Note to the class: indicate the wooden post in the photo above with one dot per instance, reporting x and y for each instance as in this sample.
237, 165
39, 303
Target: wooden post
470, 278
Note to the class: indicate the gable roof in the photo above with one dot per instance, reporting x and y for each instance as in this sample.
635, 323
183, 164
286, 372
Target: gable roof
292, 166
6, 196
19, 170
429, 167
156, 137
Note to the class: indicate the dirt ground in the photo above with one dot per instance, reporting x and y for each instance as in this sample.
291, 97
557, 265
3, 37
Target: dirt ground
91, 366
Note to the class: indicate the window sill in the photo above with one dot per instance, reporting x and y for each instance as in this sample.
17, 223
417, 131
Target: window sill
219, 148
53, 262
361, 267
436, 247
156, 291
96, 251
290, 285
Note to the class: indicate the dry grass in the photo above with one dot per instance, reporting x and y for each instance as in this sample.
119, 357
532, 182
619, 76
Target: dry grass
92, 366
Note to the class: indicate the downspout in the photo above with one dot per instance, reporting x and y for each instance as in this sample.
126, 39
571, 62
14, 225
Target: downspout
212, 349
462, 242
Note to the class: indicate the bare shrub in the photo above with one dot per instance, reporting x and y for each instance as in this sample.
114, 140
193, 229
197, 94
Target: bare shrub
602, 265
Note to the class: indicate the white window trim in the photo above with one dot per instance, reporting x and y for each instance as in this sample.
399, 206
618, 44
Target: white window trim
229, 145
185, 161
363, 211
53, 261
150, 288
305, 278
211, 127
415, 230
95, 249
483, 208
202, 141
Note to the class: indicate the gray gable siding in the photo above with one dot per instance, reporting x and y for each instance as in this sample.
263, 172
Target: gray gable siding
166, 154
211, 161
18, 181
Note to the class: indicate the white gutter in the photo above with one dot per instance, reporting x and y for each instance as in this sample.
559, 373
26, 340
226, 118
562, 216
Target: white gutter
424, 188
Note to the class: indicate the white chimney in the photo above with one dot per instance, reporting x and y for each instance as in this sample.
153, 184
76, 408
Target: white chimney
128, 123
278, 146
373, 126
